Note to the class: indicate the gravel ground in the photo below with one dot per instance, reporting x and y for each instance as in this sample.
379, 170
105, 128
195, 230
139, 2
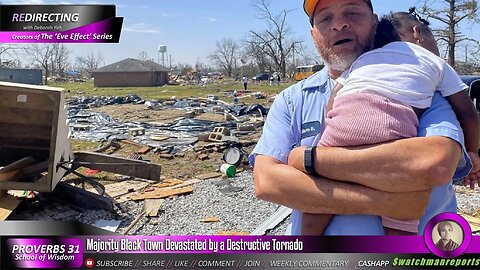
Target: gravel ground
232, 201
468, 200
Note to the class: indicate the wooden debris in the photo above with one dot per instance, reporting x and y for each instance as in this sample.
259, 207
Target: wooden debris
208, 176
168, 183
232, 233
152, 206
184, 184
120, 191
209, 219
133, 143
134, 222
166, 156
8, 203
163, 193
202, 156
473, 221
159, 138
179, 155
143, 150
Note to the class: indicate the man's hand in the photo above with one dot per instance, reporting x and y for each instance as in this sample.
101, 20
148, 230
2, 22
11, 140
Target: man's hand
474, 176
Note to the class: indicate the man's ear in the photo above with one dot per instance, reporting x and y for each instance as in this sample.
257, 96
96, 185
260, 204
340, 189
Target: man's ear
417, 34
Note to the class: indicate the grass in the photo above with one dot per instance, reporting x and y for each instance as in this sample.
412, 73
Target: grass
166, 92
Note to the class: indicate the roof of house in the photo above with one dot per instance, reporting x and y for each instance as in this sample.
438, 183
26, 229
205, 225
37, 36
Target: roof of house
132, 65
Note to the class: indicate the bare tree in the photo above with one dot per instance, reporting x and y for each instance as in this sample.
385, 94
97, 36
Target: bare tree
275, 41
453, 12
226, 55
59, 60
90, 62
41, 54
7, 50
254, 52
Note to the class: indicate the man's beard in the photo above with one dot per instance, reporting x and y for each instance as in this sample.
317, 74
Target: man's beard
343, 60
340, 61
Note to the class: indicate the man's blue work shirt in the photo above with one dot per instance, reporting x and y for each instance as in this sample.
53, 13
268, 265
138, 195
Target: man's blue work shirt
297, 118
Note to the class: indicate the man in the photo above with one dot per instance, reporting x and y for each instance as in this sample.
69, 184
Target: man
407, 169
245, 83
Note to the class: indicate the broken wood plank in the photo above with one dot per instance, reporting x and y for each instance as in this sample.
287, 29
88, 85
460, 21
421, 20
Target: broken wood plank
8, 203
162, 193
473, 221
159, 138
152, 206
168, 183
133, 143
122, 188
185, 183
208, 176
202, 156
134, 222
232, 233
143, 150
209, 219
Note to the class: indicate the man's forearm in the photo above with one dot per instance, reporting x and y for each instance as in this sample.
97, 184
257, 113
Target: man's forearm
283, 184
404, 165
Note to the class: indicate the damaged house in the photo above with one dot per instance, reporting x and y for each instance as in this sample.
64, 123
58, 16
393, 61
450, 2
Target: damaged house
27, 76
131, 72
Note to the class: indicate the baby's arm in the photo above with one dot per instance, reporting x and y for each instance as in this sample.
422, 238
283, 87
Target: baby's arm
468, 118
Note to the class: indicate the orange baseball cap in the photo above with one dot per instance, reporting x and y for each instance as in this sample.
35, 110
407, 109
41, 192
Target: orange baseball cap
309, 6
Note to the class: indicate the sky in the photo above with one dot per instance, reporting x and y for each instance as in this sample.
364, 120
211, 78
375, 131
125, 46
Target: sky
191, 28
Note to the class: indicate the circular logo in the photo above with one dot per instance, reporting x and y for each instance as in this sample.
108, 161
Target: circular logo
89, 263
447, 235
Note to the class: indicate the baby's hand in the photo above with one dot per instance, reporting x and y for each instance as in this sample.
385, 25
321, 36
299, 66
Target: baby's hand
474, 175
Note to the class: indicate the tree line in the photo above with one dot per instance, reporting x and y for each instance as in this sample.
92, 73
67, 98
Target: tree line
271, 49
274, 48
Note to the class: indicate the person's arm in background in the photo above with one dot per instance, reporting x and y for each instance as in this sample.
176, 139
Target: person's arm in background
411, 164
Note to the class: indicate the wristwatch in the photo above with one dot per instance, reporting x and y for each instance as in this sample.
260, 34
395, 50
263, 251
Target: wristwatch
308, 160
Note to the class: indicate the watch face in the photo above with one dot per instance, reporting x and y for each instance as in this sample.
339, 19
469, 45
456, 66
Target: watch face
232, 156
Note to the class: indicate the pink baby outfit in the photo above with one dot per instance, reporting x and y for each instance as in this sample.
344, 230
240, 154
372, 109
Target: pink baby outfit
366, 118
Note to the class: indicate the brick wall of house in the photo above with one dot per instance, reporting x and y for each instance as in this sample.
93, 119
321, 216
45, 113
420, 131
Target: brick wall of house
129, 79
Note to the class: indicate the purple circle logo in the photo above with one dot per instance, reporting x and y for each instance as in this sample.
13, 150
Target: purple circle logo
447, 235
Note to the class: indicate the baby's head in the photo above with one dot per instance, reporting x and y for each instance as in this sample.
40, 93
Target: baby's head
405, 26
386, 33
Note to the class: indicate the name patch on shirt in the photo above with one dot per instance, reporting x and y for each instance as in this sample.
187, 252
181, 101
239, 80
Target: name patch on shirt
310, 129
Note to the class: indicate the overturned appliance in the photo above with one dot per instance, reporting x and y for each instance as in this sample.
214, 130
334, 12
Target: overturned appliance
35, 152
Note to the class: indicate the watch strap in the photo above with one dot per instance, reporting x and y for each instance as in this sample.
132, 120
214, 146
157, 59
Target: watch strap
308, 160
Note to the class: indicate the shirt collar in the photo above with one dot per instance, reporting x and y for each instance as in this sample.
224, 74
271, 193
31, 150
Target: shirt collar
317, 80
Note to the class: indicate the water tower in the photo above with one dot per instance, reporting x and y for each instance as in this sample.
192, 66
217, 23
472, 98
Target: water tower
162, 49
